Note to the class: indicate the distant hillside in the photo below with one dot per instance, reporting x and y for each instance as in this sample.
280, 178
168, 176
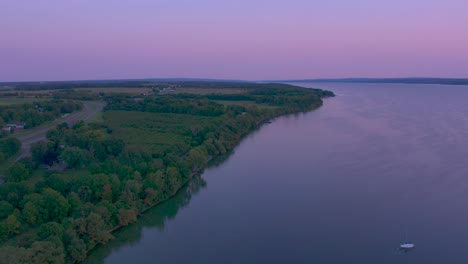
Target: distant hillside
449, 81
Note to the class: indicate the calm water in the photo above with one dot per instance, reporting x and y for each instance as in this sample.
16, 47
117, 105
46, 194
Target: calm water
375, 166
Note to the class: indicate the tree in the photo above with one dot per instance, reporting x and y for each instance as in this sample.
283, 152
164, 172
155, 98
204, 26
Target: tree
50, 229
150, 195
50, 205
75, 157
107, 192
18, 172
29, 163
46, 252
38, 151
97, 184
14, 255
114, 146
9, 146
5, 209
96, 229
10, 226
134, 187
31, 213
197, 158
126, 216
55, 204
173, 178
75, 247
56, 182
75, 202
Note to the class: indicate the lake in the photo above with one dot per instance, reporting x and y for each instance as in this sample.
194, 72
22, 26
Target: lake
375, 166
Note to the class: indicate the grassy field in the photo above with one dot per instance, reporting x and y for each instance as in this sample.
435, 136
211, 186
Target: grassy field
136, 91
243, 103
18, 100
30, 95
96, 118
127, 90
210, 90
153, 131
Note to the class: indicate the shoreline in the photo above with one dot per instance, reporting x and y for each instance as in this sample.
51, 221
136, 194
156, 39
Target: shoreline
218, 160
127, 176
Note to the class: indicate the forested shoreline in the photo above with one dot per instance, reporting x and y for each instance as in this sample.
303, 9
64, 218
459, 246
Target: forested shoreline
111, 177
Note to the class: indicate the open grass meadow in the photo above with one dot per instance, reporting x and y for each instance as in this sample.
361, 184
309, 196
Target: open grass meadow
19, 100
125, 90
205, 91
244, 104
138, 90
153, 131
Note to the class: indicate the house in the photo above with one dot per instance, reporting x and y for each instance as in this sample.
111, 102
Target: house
150, 92
168, 89
20, 126
14, 127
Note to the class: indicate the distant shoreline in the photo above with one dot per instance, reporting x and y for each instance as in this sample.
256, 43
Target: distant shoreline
113, 82
442, 81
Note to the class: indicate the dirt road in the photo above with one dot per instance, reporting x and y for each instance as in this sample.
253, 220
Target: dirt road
90, 108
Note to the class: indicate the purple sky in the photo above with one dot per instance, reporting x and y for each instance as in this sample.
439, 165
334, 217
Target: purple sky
242, 39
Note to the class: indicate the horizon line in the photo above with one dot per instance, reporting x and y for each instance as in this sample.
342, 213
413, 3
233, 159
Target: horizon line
201, 79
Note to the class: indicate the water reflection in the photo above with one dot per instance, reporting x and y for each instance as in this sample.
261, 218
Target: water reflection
153, 218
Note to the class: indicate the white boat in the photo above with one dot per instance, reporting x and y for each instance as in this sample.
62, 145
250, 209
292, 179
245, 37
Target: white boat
407, 246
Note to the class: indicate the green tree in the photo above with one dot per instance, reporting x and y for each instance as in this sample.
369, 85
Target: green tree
50, 205
46, 252
38, 151
18, 172
197, 158
97, 230
9, 146
5, 209
50, 229
150, 196
55, 204
75, 247
31, 213
126, 216
114, 146
14, 255
173, 178
56, 182
43, 152
10, 226
75, 202
75, 157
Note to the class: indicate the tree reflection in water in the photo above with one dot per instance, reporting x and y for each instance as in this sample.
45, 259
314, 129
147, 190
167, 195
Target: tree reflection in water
153, 218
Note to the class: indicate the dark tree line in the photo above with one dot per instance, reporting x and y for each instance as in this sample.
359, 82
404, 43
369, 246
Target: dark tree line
167, 104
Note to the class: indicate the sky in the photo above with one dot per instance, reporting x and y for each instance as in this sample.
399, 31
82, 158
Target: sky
44, 40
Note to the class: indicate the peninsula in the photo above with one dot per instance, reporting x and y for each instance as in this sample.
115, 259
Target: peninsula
90, 178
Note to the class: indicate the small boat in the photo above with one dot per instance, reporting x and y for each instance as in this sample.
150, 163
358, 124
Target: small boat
406, 246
